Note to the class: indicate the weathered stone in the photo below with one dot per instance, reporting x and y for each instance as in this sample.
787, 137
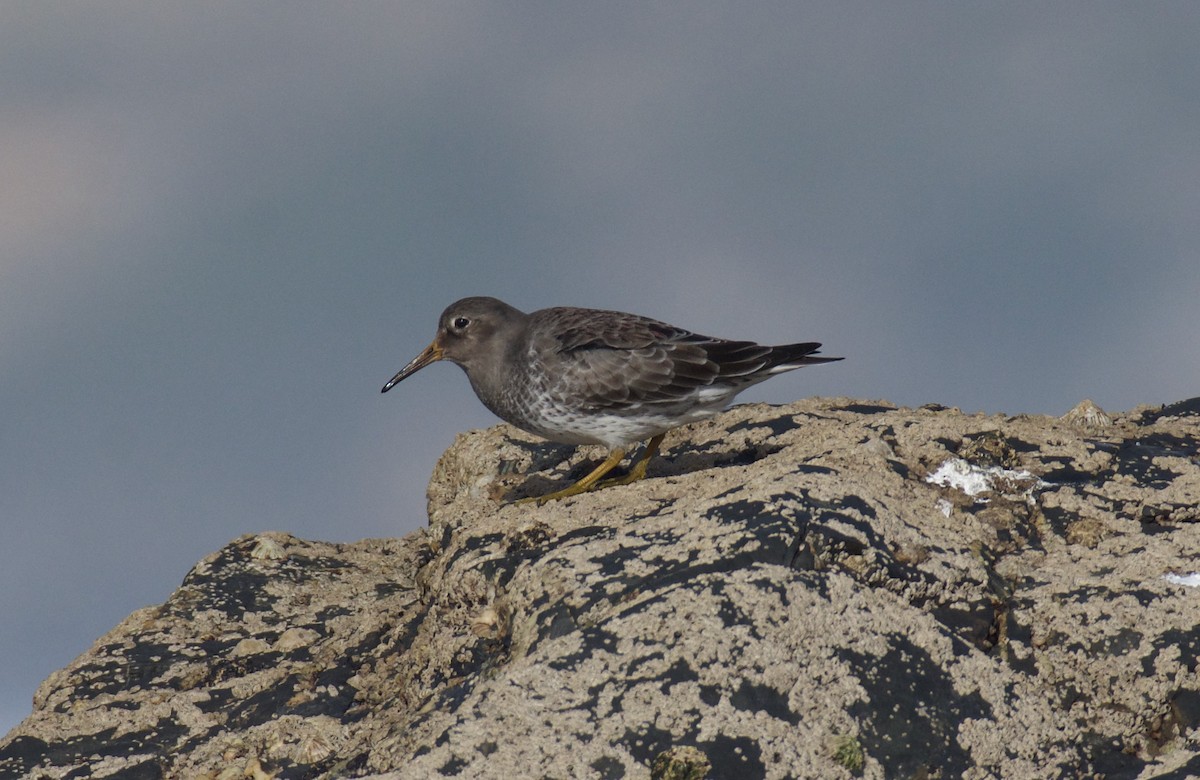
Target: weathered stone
833, 588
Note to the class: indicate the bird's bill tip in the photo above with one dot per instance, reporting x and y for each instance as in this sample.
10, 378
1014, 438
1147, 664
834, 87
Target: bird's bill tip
431, 354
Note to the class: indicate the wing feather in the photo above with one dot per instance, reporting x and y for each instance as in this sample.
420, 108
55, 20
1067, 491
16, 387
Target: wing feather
618, 359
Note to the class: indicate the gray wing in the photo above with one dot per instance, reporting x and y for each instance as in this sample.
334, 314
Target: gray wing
615, 359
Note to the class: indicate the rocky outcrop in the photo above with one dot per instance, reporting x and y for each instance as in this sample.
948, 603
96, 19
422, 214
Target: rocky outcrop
833, 588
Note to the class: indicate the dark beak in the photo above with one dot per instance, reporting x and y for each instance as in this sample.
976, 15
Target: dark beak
431, 354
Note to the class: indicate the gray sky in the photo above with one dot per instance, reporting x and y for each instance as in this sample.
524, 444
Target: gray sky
224, 227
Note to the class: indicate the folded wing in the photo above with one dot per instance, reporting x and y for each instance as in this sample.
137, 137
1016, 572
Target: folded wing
636, 360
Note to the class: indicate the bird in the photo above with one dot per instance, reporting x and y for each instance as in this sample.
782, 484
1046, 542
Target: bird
592, 376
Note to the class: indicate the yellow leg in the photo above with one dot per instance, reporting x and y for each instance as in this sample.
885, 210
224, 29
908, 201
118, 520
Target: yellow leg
583, 485
639, 469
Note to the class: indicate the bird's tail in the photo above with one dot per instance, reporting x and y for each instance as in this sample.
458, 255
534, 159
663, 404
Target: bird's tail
790, 356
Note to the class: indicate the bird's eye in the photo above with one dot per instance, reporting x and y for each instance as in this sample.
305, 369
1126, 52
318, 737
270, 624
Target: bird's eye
460, 323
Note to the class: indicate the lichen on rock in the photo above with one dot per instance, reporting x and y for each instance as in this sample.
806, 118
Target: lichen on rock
795, 591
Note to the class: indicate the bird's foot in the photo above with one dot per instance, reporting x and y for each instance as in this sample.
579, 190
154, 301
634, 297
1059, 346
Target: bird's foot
566, 492
582, 486
593, 480
639, 469
635, 473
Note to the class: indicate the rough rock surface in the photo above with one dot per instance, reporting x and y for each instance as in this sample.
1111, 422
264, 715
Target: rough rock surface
833, 588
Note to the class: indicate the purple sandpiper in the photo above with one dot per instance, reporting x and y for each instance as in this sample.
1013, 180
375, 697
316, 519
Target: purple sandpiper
587, 376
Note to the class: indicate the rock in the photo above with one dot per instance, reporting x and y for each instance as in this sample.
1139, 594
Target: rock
833, 588
1087, 413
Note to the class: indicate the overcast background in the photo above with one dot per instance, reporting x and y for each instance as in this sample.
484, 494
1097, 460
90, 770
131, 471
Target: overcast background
224, 227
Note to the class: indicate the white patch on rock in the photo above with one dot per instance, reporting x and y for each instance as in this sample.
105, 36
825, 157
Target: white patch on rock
973, 480
1190, 580
960, 475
